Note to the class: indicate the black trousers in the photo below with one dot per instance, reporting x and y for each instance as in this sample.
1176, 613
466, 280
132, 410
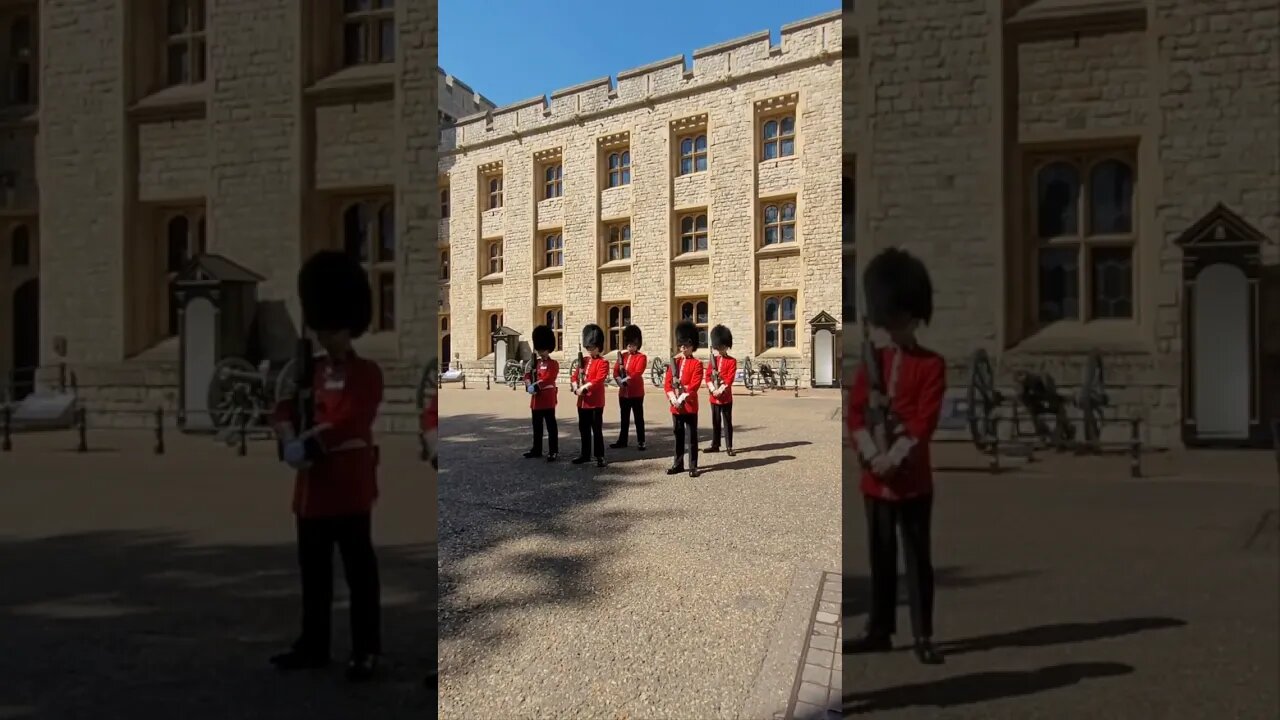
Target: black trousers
722, 421
591, 428
546, 419
353, 534
884, 520
631, 407
685, 427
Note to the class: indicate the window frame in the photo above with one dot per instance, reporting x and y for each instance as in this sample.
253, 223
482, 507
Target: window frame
369, 21
621, 175
695, 233
445, 206
490, 258
546, 252
374, 263
624, 242
704, 327
613, 331
763, 143
1084, 160
552, 187
553, 317
490, 316
194, 36
494, 191
694, 154
196, 217
25, 63
781, 323
445, 269
781, 224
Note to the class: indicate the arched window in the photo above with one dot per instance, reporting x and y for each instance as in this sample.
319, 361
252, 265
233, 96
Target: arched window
21, 78
495, 257
20, 247
552, 185
618, 243
356, 230
619, 316
444, 203
369, 235
368, 32
619, 168
779, 321
554, 319
444, 266
495, 322
696, 311
552, 250
185, 54
495, 192
779, 222
693, 154
184, 240
778, 137
693, 233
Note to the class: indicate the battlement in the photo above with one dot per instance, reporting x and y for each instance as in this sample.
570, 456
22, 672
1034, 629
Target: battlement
463, 93
814, 39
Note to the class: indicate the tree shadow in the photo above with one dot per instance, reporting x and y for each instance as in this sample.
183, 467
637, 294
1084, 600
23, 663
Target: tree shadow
1059, 634
146, 624
980, 687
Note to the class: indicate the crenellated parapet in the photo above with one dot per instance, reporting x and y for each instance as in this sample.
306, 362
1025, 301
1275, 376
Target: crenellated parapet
460, 97
814, 40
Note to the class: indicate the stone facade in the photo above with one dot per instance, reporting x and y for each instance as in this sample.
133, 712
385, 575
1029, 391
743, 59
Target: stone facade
727, 97
261, 145
951, 106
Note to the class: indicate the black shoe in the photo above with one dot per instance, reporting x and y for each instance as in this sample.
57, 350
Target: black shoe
600, 462
675, 469
927, 653
713, 448
868, 643
640, 447
694, 472
580, 460
362, 667
553, 457
533, 454
730, 452
618, 445
296, 660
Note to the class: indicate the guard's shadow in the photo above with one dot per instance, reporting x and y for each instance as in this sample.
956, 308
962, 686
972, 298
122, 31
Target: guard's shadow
744, 463
857, 588
769, 447
1059, 634
980, 687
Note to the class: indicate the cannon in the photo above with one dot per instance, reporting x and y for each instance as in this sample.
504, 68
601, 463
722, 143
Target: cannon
657, 371
241, 395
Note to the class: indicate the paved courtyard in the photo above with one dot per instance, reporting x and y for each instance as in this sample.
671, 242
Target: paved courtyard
136, 585
1068, 590
573, 592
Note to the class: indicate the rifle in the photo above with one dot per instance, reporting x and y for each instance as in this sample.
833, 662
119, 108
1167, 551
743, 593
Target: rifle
582, 369
877, 412
716, 379
622, 368
676, 365
304, 373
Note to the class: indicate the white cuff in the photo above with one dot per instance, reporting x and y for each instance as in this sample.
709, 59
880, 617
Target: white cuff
901, 448
866, 445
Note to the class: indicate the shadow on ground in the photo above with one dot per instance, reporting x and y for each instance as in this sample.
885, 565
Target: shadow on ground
136, 624
856, 595
980, 687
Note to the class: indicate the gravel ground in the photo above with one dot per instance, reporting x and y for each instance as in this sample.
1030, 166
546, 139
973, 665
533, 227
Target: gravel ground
623, 593
138, 585
1068, 590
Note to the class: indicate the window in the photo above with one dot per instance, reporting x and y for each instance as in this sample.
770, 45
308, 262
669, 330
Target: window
493, 257
779, 222
21, 81
693, 233
1083, 222
619, 164
185, 42
495, 323
20, 247
693, 154
494, 186
444, 203
778, 137
617, 317
552, 250
618, 242
695, 311
552, 186
369, 234
184, 239
368, 32
553, 317
779, 321
444, 266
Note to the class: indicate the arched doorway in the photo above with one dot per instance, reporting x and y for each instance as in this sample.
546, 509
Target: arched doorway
26, 337
446, 353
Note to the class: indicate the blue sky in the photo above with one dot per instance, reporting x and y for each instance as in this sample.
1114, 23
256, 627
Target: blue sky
511, 50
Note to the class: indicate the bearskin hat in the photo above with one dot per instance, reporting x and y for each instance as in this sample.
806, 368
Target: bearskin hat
896, 283
686, 334
544, 338
593, 336
335, 294
721, 336
631, 336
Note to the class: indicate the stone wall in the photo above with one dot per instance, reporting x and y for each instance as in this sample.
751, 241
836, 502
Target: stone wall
640, 112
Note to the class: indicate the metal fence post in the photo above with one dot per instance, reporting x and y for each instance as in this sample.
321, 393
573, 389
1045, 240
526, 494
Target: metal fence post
160, 430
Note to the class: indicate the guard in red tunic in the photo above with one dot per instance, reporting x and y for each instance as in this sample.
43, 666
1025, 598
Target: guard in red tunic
587, 382
684, 377
431, 426
336, 464
628, 371
543, 394
720, 374
897, 479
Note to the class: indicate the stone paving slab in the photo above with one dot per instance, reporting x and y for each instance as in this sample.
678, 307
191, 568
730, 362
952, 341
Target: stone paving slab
817, 689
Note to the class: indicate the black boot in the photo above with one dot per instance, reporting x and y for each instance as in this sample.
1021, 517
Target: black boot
713, 448
640, 446
730, 452
618, 445
675, 469
868, 643
581, 459
600, 462
693, 472
553, 457
362, 667
533, 454
927, 653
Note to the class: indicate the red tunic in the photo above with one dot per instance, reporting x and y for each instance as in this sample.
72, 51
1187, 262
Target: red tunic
691, 376
636, 364
595, 371
341, 481
917, 401
548, 395
431, 414
728, 368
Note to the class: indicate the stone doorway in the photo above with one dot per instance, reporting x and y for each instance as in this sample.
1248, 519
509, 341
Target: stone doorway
26, 338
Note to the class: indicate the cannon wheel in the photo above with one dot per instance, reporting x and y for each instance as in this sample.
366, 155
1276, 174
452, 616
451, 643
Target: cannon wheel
657, 371
511, 374
231, 397
429, 381
982, 400
1092, 399
748, 374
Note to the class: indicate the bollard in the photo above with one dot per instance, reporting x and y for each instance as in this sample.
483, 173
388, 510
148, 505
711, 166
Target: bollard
995, 446
82, 423
62, 377
1135, 448
797, 387
160, 430
7, 444
464, 381
244, 432
487, 379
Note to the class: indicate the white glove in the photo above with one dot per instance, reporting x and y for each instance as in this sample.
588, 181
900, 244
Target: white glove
531, 388
681, 398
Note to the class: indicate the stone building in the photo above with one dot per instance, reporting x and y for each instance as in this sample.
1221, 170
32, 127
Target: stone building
708, 191
1083, 176
139, 133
